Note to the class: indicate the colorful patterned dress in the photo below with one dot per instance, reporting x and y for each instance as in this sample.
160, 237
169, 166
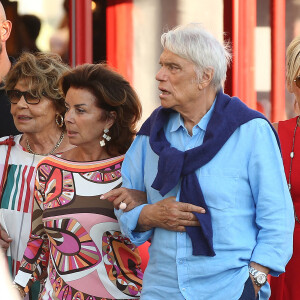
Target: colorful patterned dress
286, 286
76, 236
17, 199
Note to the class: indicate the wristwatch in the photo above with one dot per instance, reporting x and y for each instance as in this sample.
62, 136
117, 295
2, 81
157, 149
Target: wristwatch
260, 278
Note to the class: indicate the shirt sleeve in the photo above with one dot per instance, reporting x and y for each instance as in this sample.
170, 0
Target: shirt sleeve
274, 208
133, 178
36, 256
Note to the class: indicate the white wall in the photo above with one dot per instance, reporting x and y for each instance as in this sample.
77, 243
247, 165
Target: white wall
150, 19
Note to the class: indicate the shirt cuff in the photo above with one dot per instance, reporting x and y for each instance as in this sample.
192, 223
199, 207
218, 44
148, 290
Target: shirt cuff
22, 278
129, 221
263, 254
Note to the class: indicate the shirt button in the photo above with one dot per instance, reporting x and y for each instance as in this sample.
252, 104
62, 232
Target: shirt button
183, 289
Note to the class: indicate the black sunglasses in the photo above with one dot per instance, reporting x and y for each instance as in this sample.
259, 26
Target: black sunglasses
15, 95
297, 80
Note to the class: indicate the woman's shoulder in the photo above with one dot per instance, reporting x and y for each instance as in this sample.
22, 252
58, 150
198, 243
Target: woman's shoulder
16, 138
64, 163
275, 125
48, 161
287, 125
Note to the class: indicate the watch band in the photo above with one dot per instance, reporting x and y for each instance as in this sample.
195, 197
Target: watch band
260, 278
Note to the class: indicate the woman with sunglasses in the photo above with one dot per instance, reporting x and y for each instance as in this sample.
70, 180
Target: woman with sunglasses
286, 286
38, 111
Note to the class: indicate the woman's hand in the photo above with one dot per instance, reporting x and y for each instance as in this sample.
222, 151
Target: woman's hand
5, 240
125, 199
8, 291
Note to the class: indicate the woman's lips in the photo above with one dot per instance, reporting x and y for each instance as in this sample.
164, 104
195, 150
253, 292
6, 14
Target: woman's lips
23, 118
71, 133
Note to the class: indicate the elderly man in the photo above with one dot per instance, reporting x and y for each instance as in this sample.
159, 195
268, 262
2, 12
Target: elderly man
7, 126
218, 211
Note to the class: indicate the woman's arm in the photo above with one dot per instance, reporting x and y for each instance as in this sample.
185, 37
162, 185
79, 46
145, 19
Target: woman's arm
36, 255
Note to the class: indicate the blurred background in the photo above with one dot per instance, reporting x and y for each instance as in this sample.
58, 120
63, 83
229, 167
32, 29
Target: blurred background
126, 34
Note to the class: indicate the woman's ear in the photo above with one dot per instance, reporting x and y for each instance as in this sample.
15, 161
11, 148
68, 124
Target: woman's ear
289, 86
111, 119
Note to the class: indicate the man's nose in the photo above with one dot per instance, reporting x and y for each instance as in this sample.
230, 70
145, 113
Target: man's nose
161, 75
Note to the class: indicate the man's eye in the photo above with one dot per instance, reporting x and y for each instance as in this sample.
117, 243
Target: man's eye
172, 67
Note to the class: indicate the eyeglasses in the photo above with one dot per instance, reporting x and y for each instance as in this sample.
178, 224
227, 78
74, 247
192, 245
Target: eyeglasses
14, 96
297, 80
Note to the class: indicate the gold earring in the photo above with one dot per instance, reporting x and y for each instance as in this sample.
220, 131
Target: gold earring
59, 120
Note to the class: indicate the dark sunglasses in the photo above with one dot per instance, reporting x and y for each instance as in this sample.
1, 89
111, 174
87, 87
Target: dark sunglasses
297, 80
14, 96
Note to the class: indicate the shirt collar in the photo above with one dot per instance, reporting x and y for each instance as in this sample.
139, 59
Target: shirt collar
177, 121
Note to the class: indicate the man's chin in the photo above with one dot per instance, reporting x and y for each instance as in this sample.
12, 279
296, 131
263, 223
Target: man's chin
164, 103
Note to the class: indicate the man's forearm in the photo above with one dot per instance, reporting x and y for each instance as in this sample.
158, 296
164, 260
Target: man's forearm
144, 222
259, 267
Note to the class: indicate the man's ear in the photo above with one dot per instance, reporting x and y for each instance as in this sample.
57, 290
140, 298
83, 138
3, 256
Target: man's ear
6, 27
206, 79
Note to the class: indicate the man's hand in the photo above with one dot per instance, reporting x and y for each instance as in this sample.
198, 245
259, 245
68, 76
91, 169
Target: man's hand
5, 240
260, 268
169, 214
131, 198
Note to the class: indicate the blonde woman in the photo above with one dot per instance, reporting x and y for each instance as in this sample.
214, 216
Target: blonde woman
286, 286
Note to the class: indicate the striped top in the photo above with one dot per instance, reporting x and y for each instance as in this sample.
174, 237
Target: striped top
17, 198
76, 236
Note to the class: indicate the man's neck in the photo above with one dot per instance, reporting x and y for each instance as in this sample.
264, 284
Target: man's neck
192, 115
5, 64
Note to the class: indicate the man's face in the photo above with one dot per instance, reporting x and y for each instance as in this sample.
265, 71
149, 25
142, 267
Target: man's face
178, 82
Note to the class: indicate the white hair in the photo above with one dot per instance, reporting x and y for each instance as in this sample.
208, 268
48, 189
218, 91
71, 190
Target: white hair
194, 43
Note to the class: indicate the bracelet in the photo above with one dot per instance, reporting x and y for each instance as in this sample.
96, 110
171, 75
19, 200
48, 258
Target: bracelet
20, 289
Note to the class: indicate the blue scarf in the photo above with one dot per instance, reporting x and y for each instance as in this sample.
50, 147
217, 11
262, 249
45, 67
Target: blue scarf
173, 164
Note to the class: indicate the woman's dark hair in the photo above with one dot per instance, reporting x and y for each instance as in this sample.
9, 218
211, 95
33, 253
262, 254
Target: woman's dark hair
113, 93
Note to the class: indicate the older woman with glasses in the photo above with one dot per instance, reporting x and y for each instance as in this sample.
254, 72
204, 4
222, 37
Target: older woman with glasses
286, 286
38, 111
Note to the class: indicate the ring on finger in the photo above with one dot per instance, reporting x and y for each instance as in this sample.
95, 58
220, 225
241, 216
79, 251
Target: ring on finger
122, 205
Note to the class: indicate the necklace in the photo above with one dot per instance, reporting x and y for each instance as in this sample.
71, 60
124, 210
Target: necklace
292, 154
51, 152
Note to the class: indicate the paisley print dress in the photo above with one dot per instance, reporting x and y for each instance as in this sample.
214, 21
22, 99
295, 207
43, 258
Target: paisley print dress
76, 237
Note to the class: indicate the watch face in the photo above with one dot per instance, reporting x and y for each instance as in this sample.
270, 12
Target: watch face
261, 278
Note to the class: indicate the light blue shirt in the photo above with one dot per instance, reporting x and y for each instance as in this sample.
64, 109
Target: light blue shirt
246, 192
